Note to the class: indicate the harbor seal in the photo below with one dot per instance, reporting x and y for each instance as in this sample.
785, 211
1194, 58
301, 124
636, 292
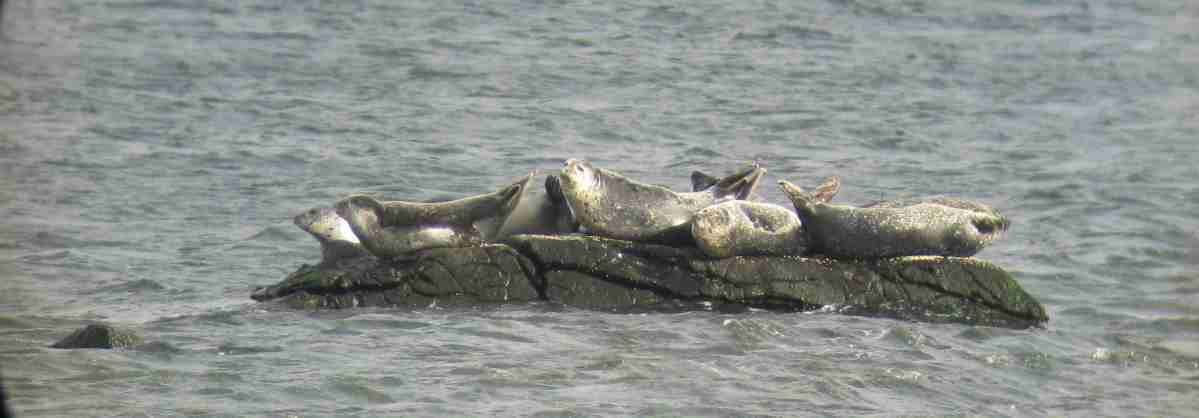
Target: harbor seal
746, 228
610, 205
337, 240
916, 228
541, 211
395, 228
739, 227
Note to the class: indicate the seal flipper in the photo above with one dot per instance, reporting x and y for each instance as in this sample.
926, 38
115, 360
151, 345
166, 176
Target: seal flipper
564, 216
700, 181
804, 202
827, 189
739, 185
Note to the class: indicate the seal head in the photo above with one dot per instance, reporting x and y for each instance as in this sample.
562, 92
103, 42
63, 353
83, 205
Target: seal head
337, 240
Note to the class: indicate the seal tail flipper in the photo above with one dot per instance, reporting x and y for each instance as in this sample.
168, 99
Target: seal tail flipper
740, 185
827, 189
700, 181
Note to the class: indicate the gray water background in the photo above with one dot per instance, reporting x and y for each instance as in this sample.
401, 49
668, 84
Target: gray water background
153, 152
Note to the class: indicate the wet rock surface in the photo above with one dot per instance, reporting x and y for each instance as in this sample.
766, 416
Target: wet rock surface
598, 273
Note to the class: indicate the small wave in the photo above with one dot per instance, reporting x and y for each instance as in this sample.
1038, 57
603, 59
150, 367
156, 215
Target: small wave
136, 286
384, 322
45, 257
181, 5
232, 349
276, 233
357, 387
427, 72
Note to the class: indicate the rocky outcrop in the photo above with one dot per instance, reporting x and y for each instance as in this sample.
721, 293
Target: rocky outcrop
599, 273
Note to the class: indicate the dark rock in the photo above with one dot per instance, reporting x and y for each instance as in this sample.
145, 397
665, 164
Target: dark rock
599, 273
455, 276
585, 291
99, 336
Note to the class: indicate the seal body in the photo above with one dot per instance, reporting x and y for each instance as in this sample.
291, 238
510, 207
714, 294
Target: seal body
541, 211
610, 205
895, 229
952, 202
337, 240
395, 228
745, 228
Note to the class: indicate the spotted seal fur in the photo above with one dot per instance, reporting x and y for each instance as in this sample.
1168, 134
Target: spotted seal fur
395, 228
747, 228
895, 229
610, 205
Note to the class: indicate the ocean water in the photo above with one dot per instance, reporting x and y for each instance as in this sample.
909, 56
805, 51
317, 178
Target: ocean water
153, 152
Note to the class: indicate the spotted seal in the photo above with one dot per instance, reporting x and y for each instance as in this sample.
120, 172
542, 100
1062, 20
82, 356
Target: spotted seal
337, 240
541, 212
950, 228
610, 205
745, 228
395, 228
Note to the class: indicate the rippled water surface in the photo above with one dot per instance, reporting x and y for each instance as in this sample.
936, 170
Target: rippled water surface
153, 152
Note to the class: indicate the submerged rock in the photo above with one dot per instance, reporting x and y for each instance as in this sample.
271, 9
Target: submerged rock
99, 336
593, 272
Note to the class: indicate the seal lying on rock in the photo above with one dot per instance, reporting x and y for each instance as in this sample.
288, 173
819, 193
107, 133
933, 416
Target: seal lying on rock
952, 202
915, 229
391, 229
338, 241
739, 227
541, 212
610, 205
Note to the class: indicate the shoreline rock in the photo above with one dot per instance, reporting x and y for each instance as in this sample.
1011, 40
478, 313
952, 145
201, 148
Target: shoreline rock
598, 273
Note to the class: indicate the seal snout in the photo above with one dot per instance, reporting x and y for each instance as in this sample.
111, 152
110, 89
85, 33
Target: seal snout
306, 218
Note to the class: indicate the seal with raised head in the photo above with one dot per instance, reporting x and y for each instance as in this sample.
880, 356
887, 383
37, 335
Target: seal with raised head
337, 240
916, 228
610, 205
746, 228
540, 212
395, 228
